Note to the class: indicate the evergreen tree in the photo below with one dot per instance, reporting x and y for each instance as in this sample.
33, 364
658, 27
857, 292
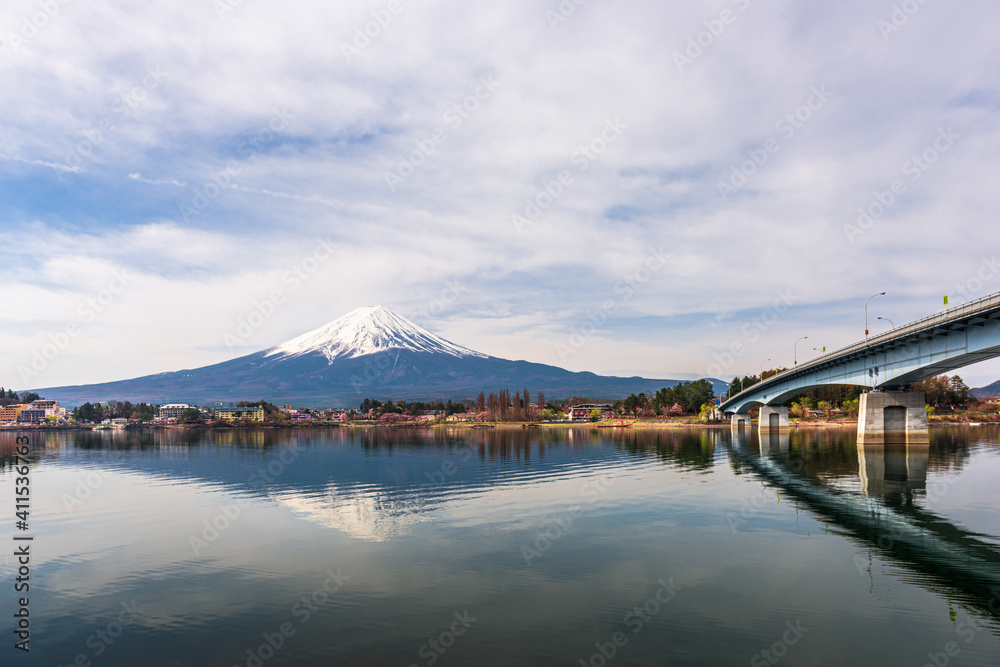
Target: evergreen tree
735, 387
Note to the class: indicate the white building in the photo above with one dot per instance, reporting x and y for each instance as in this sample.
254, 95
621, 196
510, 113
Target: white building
51, 407
175, 410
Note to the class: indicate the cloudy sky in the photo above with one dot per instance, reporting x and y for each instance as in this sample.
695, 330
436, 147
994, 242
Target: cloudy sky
629, 186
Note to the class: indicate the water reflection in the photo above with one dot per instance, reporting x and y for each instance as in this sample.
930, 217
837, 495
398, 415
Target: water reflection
427, 523
774, 442
893, 468
949, 559
684, 448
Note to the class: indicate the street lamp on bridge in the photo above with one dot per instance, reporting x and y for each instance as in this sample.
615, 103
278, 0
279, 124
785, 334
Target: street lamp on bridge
866, 313
889, 321
762, 368
795, 349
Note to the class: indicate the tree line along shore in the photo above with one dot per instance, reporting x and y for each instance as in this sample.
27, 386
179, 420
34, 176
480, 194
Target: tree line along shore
684, 404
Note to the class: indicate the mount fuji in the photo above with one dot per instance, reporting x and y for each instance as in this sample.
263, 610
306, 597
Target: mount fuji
370, 352
369, 330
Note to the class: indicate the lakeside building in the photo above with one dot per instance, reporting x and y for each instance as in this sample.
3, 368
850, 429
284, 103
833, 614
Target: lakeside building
10, 413
31, 415
51, 408
175, 410
313, 414
235, 414
582, 412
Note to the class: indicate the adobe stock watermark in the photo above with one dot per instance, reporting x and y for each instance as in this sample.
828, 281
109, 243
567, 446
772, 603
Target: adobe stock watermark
34, 24
302, 612
87, 485
582, 159
705, 39
636, 619
280, 121
364, 34
626, 288
448, 297
448, 468
88, 310
223, 520
223, 7
104, 637
121, 109
967, 629
375, 366
751, 331
378, 364
564, 11
895, 528
899, 17
751, 506
453, 118
786, 127
723, 316
559, 524
773, 654
914, 168
292, 279
437, 646
987, 271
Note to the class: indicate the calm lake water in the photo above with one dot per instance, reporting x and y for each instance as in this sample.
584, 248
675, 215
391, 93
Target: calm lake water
527, 547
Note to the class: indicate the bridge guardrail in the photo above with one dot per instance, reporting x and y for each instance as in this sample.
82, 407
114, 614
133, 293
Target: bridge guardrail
966, 309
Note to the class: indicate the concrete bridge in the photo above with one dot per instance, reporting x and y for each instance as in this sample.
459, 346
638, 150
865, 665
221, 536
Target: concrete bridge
887, 365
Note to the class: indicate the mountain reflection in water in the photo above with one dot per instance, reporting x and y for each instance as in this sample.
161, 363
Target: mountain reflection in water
549, 538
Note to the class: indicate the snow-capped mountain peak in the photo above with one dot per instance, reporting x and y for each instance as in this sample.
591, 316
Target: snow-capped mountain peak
368, 330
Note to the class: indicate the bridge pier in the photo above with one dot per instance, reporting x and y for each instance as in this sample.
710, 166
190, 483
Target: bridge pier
896, 415
741, 420
773, 417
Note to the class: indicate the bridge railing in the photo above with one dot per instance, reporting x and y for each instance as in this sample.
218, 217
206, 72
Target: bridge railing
971, 308
966, 309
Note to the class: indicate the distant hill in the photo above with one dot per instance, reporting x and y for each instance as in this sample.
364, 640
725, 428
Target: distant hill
369, 353
989, 391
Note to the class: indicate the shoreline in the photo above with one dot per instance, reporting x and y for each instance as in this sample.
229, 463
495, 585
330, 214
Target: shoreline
466, 426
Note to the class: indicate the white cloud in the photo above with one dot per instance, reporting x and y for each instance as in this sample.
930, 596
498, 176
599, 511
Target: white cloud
182, 95
153, 181
56, 166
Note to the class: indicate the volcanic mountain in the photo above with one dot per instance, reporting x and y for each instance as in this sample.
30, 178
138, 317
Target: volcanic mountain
370, 352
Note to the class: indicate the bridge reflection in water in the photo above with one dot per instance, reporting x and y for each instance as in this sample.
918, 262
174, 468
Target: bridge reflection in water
951, 561
893, 468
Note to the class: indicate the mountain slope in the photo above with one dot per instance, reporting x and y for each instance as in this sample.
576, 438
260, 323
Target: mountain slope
370, 352
989, 391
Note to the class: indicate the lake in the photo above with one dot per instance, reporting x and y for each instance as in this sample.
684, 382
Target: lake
506, 547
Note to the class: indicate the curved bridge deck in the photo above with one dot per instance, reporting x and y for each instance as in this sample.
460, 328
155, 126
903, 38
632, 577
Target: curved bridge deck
909, 353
